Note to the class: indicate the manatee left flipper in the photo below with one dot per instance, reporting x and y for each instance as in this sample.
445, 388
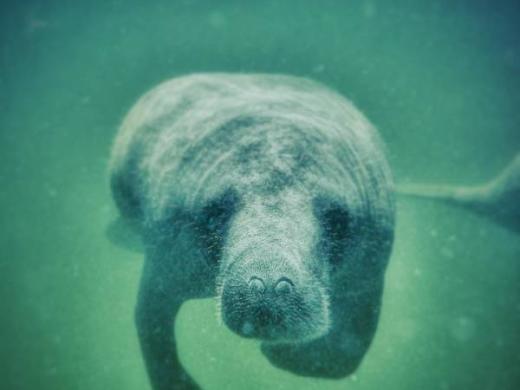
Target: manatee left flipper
124, 234
314, 359
339, 353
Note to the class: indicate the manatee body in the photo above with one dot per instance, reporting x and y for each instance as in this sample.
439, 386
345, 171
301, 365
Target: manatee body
498, 199
271, 193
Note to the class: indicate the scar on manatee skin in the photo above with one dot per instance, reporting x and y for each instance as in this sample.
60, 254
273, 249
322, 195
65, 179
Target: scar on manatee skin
497, 200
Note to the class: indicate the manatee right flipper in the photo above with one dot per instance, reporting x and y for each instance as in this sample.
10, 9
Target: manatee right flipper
497, 200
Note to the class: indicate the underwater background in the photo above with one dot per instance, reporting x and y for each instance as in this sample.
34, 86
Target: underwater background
440, 80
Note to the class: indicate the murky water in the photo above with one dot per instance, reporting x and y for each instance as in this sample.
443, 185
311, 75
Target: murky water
440, 79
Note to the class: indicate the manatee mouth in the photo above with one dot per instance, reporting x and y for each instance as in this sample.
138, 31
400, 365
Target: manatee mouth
275, 312
262, 324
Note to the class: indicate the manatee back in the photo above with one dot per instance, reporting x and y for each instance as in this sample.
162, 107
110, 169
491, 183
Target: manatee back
180, 144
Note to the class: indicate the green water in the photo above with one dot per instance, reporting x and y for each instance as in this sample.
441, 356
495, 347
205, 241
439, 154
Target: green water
440, 79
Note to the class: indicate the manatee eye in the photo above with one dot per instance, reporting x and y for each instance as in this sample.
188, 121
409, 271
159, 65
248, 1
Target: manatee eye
213, 223
335, 225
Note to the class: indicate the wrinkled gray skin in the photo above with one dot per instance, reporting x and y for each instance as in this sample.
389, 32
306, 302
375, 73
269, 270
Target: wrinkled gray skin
271, 193
497, 200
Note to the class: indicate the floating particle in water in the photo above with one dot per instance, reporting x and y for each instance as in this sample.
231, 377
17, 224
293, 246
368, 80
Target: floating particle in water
33, 25
52, 192
447, 253
444, 385
452, 238
86, 100
319, 68
463, 329
369, 9
217, 20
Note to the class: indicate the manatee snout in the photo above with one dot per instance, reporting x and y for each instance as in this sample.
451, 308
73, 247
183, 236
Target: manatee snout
276, 308
261, 288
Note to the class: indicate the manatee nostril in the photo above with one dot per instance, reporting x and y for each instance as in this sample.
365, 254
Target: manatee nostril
256, 285
284, 286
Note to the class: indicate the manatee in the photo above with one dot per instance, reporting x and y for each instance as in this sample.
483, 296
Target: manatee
498, 199
271, 193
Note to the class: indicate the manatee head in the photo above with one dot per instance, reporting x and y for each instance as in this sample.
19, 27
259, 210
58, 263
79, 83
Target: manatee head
272, 284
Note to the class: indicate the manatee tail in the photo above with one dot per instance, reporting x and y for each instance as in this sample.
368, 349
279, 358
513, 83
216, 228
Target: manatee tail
504, 188
446, 193
498, 199
508, 181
